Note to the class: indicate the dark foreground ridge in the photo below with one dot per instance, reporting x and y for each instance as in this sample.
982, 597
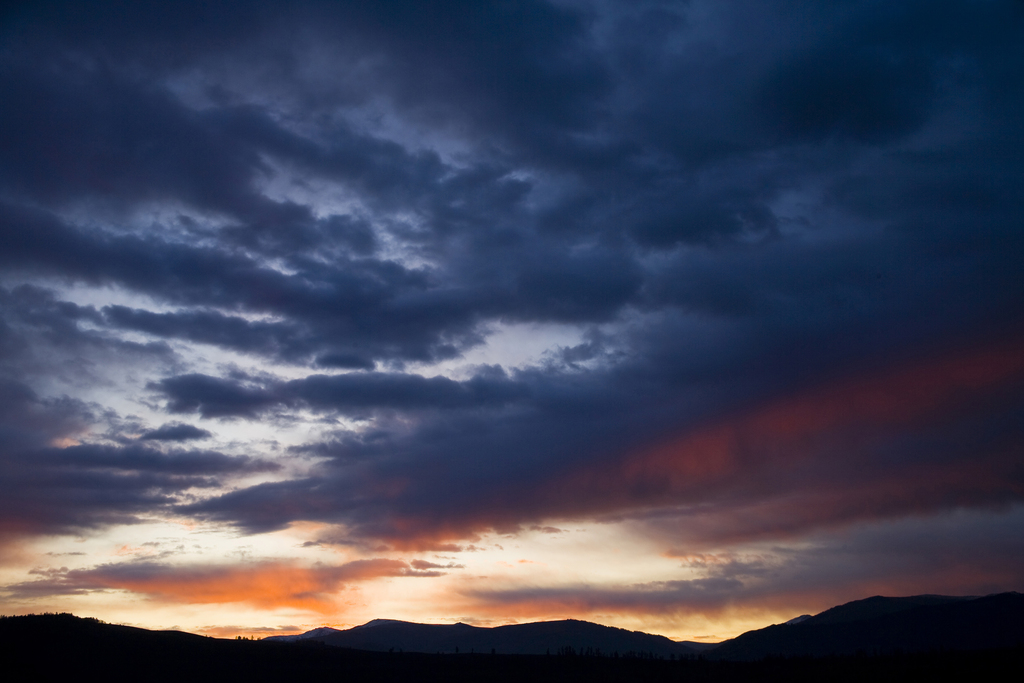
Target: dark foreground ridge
918, 638
60, 646
878, 625
540, 638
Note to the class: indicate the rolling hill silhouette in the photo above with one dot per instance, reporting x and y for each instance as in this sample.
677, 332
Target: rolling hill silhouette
880, 625
546, 637
917, 638
876, 625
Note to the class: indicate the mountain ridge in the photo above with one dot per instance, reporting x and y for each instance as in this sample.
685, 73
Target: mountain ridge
61, 647
880, 625
877, 624
543, 637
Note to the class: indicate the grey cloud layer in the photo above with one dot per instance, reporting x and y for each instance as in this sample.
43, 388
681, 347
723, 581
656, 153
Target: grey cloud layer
218, 397
47, 489
731, 205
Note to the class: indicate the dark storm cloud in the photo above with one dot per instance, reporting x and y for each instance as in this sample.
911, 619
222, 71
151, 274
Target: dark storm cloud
175, 431
36, 327
209, 327
82, 487
885, 444
48, 489
217, 397
378, 308
214, 397
137, 459
738, 207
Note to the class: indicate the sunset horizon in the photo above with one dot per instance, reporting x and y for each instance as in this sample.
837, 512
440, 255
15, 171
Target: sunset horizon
682, 317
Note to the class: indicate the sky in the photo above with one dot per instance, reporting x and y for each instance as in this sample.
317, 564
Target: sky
683, 317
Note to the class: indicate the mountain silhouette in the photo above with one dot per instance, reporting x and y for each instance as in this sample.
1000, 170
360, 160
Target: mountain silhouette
545, 637
881, 625
876, 625
915, 638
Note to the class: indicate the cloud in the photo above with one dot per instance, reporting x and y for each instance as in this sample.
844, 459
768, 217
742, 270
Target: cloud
216, 397
74, 486
424, 565
882, 444
960, 553
175, 431
42, 334
784, 249
266, 585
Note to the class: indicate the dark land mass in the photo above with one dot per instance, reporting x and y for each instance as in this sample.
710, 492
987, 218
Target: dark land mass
57, 647
881, 625
886, 639
546, 637
877, 625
